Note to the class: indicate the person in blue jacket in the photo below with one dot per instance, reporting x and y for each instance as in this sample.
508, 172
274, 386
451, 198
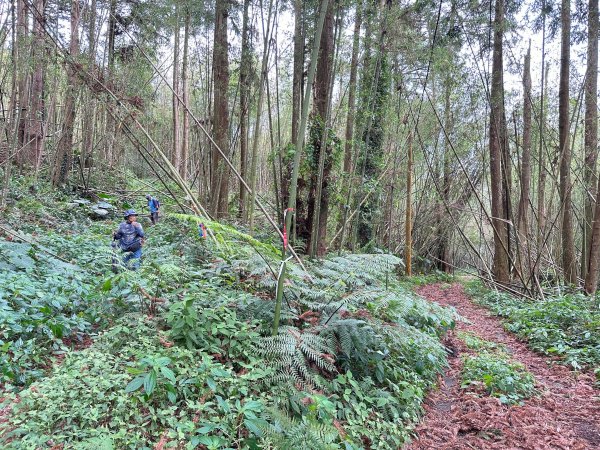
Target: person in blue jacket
154, 206
130, 235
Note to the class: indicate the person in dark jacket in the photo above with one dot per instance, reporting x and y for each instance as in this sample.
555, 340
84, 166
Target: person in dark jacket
130, 235
154, 206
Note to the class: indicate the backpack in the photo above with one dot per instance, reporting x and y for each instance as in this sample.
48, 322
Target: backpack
134, 246
156, 203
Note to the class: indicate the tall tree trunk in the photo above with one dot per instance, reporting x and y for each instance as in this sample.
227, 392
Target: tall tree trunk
318, 203
300, 144
34, 130
185, 132
89, 113
23, 79
298, 77
497, 150
349, 144
444, 230
408, 222
219, 173
110, 123
568, 245
176, 152
591, 133
375, 94
541, 197
523, 250
349, 135
64, 154
259, 106
13, 115
245, 70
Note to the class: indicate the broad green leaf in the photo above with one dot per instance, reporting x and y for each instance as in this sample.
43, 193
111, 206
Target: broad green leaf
134, 384
252, 427
150, 382
168, 374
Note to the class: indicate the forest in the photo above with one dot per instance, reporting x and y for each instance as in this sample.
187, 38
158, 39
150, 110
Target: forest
299, 224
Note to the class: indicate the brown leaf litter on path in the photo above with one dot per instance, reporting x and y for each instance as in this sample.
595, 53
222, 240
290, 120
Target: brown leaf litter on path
566, 414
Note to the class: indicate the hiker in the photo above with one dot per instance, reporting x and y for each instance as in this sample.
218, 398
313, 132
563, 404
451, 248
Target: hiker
131, 238
154, 206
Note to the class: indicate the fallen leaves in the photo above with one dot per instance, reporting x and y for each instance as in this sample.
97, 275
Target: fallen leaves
565, 416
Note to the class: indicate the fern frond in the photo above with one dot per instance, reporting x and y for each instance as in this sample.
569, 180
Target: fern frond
297, 355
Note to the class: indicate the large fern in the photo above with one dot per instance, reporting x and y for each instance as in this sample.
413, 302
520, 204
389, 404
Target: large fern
284, 431
302, 358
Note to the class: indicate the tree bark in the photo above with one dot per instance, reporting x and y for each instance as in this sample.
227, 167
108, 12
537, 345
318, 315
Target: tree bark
34, 130
408, 222
497, 150
176, 152
110, 124
568, 246
541, 197
219, 173
350, 119
23, 83
297, 90
349, 144
185, 97
64, 154
13, 116
245, 70
591, 133
318, 203
300, 144
89, 113
444, 231
522, 216
259, 106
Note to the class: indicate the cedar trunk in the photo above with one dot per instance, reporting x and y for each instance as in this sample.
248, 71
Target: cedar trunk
318, 202
568, 245
497, 150
34, 130
522, 217
22, 82
444, 231
591, 133
64, 154
219, 173
408, 222
348, 146
245, 67
176, 152
185, 131
89, 113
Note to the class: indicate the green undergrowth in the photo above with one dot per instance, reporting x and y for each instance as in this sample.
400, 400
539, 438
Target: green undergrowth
181, 351
429, 278
490, 368
567, 326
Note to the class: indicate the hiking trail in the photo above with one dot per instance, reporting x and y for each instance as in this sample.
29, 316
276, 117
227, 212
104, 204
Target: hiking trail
564, 415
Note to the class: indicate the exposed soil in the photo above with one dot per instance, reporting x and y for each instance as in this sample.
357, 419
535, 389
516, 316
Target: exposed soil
566, 414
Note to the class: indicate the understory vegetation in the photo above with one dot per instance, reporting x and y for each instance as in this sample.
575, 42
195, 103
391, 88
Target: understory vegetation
490, 368
566, 325
181, 352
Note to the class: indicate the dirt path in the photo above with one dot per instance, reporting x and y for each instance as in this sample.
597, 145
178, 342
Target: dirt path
565, 416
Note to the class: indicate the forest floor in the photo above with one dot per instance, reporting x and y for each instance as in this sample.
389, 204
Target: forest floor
565, 413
